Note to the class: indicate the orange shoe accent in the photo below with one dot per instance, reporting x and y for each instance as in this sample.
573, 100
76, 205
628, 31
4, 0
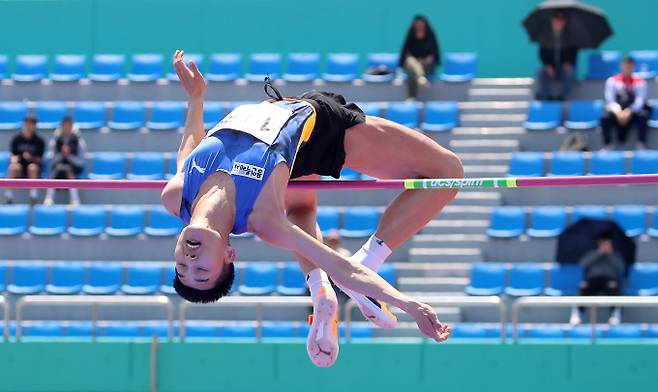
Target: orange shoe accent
309, 319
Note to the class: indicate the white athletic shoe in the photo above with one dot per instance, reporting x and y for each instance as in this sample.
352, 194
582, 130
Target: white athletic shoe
322, 341
374, 311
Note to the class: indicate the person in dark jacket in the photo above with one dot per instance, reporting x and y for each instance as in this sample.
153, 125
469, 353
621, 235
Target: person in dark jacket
558, 59
419, 55
603, 271
67, 153
27, 149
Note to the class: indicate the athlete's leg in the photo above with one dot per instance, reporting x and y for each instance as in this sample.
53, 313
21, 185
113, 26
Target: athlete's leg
384, 149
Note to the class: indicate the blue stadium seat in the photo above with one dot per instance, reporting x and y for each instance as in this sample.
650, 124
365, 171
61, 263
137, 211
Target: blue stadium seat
125, 221
3, 277
292, 280
507, 222
624, 331
107, 67
347, 174
565, 280
584, 331
341, 67
108, 166
162, 223
357, 330
388, 61
237, 331
201, 330
546, 331
543, 115
79, 329
127, 115
89, 115
653, 121
588, 211
13, 219
167, 286
278, 330
371, 108
30, 68
66, 279
198, 60
644, 162
48, 220
584, 115
4, 66
387, 271
607, 162
359, 222
158, 329
224, 67
525, 280
440, 116
50, 113
487, 279
646, 63
602, 65
146, 166
547, 221
171, 168
212, 113
643, 279
653, 229
469, 330
27, 279
4, 163
119, 329
328, 219
146, 67
263, 64
567, 163
631, 218
167, 115
404, 113
42, 329
652, 331
526, 164
259, 278
104, 278
142, 279
12, 115
69, 68
87, 221
459, 67
302, 67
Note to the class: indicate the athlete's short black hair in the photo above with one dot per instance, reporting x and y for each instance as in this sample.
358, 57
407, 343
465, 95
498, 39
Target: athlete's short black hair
628, 59
222, 288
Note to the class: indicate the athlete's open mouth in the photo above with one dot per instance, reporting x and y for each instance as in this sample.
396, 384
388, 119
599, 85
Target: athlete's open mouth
193, 244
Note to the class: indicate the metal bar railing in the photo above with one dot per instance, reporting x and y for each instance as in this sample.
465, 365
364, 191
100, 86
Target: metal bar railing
258, 302
5, 317
447, 301
94, 301
592, 302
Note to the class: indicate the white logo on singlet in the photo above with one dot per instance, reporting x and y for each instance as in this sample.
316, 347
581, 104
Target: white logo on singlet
198, 168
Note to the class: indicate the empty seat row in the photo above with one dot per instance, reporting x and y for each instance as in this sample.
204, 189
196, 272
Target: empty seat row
604, 64
255, 278
555, 331
436, 116
526, 279
222, 67
573, 163
550, 221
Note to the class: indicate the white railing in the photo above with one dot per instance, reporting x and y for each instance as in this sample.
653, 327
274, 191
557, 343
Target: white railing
445, 301
592, 302
94, 301
5, 317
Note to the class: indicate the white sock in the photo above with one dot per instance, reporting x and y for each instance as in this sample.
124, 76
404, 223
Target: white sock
316, 279
33, 193
9, 194
75, 196
50, 193
373, 253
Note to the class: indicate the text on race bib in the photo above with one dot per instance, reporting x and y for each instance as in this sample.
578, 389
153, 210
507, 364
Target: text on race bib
263, 121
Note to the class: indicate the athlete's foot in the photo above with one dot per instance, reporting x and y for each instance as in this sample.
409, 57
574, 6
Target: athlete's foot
322, 341
373, 310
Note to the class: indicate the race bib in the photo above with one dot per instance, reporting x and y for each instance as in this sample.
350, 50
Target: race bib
262, 121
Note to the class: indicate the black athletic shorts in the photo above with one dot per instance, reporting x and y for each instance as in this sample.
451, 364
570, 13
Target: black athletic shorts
324, 153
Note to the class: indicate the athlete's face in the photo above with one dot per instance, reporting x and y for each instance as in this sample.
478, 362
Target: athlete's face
201, 255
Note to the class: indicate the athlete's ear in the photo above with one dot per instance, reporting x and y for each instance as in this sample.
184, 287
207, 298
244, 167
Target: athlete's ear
229, 254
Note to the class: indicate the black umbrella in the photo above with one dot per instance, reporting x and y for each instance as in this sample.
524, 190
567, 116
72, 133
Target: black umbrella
580, 238
587, 26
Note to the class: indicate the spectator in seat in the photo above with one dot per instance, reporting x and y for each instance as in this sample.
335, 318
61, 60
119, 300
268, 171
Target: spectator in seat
67, 151
626, 106
27, 150
334, 241
419, 55
558, 59
603, 273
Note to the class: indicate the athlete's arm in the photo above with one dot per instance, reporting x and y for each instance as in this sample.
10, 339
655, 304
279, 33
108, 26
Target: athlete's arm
195, 86
280, 232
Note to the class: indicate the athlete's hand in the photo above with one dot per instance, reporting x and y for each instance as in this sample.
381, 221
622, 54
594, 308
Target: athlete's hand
427, 321
190, 77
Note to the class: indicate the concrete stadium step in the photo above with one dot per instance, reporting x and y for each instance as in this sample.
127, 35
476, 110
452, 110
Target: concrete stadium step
503, 82
440, 255
493, 107
474, 171
492, 120
474, 198
456, 240
484, 145
411, 269
429, 284
456, 212
488, 132
485, 158
462, 226
500, 94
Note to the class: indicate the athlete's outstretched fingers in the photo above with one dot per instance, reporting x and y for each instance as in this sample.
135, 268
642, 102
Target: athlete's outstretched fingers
195, 69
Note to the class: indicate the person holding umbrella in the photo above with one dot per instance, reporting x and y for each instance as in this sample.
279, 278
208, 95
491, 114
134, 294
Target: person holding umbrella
558, 58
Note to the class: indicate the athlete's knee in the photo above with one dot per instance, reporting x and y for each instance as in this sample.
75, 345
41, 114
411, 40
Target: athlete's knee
448, 166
